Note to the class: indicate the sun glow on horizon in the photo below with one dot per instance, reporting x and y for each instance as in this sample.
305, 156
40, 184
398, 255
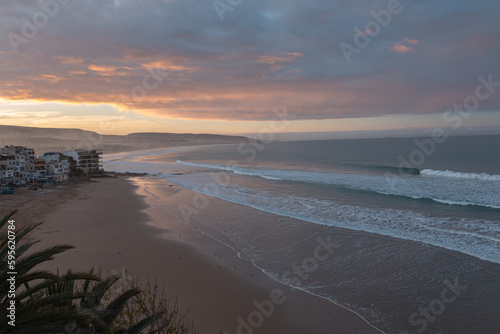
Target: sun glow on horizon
108, 120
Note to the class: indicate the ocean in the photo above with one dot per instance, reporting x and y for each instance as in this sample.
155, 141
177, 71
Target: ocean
405, 218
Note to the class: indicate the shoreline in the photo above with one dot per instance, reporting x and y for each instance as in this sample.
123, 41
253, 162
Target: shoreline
328, 312
133, 225
112, 227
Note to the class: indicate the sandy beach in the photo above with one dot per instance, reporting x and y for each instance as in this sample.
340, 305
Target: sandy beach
116, 226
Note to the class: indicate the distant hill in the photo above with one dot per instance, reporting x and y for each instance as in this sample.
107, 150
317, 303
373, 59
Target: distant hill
9, 132
51, 139
154, 137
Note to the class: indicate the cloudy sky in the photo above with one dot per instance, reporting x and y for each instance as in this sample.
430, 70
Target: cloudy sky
233, 66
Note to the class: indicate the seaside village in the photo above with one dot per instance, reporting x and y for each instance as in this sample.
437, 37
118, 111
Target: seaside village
19, 166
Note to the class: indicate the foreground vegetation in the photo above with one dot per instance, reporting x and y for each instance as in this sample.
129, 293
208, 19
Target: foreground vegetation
37, 301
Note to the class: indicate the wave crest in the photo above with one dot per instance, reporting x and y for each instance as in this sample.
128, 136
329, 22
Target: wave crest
460, 175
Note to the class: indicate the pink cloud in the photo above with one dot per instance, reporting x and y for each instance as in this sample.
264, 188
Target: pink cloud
400, 47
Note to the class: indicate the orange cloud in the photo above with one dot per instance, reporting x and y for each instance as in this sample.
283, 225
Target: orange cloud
286, 57
77, 72
167, 65
274, 62
52, 78
70, 60
109, 70
402, 46
100, 68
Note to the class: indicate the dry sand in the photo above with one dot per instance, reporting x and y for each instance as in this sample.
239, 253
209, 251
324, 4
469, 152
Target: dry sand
113, 228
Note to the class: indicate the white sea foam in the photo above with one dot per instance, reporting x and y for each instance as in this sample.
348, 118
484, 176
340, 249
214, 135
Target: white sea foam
469, 191
459, 175
147, 153
479, 238
212, 166
475, 237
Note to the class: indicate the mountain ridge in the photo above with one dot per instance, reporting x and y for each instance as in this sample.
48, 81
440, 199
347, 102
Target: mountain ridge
56, 139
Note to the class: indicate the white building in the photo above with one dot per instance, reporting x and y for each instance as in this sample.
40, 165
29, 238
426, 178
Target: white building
19, 165
7, 166
87, 161
57, 166
36, 170
51, 156
13, 160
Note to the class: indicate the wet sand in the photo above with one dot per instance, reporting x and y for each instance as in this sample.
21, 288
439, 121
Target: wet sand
115, 228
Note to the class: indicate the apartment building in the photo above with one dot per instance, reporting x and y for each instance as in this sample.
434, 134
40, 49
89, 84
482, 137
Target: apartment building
88, 161
19, 165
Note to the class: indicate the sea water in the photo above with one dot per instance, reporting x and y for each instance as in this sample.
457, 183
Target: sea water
442, 195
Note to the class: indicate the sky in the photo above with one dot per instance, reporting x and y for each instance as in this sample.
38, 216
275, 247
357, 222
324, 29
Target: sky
241, 66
